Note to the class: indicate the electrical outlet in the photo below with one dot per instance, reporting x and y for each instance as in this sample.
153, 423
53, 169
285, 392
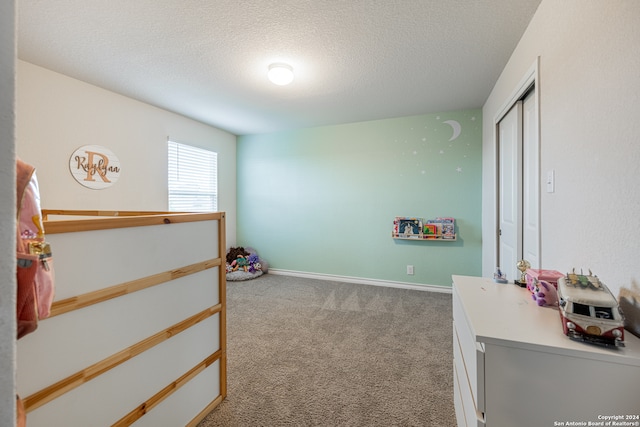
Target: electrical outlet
410, 269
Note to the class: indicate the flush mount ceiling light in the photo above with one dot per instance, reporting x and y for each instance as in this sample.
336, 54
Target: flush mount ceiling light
280, 74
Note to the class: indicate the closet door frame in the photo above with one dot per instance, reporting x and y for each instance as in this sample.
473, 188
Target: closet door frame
522, 89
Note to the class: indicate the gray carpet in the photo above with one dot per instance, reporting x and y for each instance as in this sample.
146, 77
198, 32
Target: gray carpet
305, 352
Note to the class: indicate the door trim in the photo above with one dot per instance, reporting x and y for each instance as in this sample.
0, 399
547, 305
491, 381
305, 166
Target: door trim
531, 77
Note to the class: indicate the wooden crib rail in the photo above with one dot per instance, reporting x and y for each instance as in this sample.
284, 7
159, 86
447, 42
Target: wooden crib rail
117, 219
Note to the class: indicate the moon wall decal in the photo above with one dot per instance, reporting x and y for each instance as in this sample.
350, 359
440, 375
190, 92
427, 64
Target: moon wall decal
456, 128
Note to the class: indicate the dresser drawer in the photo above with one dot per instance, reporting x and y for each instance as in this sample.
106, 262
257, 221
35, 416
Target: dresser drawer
461, 410
470, 353
461, 414
466, 414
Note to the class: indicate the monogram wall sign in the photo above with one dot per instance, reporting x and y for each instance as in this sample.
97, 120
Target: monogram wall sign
94, 167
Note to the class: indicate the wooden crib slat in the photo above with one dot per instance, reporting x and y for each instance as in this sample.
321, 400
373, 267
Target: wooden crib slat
154, 400
95, 297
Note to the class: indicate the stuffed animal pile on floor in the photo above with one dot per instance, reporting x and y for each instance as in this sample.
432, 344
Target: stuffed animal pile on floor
244, 264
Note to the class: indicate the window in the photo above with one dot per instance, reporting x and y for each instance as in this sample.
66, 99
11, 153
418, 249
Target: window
603, 312
581, 309
193, 178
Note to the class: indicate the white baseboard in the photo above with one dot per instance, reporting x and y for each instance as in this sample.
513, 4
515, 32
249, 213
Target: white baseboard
360, 280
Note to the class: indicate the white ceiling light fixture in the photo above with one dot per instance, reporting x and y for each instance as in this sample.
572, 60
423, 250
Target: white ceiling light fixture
280, 74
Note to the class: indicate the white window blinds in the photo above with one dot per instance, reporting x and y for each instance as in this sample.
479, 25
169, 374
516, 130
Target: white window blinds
193, 178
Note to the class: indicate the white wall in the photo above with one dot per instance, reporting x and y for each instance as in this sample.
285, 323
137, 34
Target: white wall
590, 135
7, 213
57, 114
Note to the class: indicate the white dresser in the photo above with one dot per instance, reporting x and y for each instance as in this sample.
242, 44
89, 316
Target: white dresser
513, 366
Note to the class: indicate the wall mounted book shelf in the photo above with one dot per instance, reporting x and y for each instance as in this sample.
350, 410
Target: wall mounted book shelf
427, 238
413, 228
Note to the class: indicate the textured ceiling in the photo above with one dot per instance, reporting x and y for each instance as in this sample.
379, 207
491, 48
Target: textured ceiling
354, 60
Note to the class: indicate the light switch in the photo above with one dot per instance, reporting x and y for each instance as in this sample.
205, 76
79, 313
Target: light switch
551, 181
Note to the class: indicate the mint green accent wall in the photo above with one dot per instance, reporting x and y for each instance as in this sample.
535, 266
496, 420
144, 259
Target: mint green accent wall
323, 200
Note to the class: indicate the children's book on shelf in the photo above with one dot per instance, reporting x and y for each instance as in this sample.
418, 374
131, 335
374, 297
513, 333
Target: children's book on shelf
448, 228
432, 231
407, 227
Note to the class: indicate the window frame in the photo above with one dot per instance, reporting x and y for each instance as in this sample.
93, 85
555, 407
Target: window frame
192, 178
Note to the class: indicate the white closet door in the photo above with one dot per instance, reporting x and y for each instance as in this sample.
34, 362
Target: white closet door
531, 182
510, 191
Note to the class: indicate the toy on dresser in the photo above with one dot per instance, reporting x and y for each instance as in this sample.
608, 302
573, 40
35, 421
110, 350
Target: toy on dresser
588, 310
544, 293
499, 276
543, 284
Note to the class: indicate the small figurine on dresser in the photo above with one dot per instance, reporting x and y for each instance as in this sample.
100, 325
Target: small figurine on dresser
543, 285
499, 276
544, 293
549, 276
522, 265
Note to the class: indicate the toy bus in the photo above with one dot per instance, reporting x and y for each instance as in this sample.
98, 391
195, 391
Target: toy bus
589, 311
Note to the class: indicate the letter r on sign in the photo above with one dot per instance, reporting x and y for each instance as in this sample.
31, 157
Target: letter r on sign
92, 166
